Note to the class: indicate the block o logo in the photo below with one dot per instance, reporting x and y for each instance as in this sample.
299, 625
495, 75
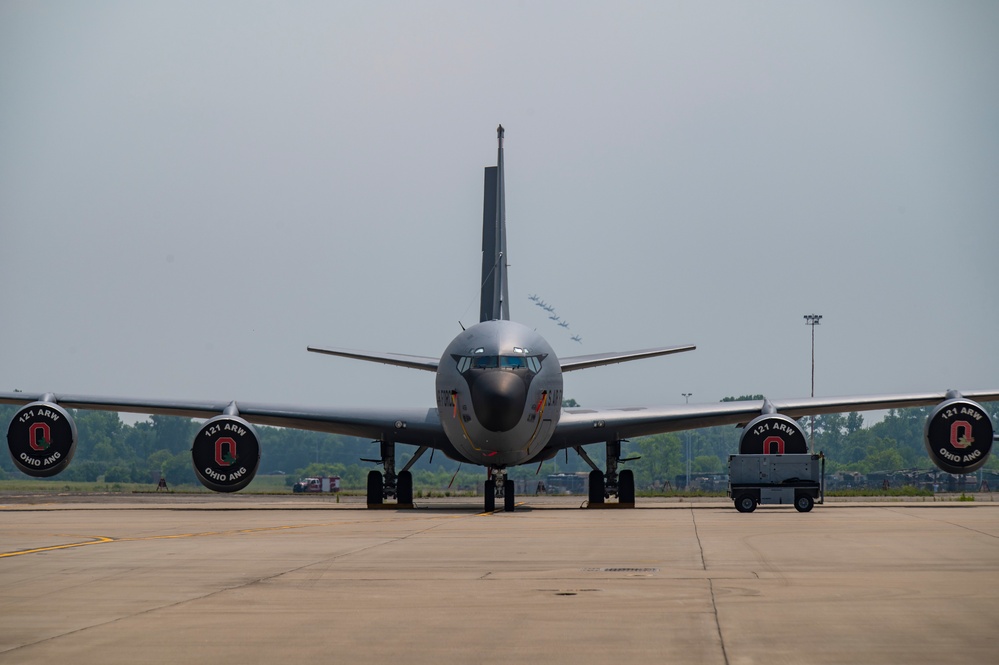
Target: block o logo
41, 438
226, 453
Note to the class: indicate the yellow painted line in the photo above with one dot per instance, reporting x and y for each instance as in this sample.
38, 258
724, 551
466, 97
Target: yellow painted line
98, 541
499, 510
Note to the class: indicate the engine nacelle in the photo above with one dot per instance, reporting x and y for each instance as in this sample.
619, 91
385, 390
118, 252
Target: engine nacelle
772, 434
226, 453
959, 436
42, 439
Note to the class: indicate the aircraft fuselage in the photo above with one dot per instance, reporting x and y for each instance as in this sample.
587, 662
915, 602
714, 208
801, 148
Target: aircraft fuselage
499, 393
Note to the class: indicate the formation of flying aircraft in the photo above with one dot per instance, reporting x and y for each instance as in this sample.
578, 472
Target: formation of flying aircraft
498, 404
554, 317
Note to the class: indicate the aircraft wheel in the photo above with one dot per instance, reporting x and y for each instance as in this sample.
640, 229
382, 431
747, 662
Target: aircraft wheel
490, 492
626, 487
375, 488
596, 486
803, 503
745, 503
508, 496
404, 487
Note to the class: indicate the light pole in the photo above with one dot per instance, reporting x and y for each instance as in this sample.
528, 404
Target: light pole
813, 320
686, 400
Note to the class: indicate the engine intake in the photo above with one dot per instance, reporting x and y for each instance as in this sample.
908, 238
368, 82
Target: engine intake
42, 439
772, 434
226, 453
959, 436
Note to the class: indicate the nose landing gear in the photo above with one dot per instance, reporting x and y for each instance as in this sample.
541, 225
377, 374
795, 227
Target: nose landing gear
497, 484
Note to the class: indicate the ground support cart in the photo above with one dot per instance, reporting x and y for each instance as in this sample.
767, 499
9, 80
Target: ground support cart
776, 479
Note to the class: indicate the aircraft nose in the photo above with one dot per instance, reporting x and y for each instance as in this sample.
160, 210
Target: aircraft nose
499, 397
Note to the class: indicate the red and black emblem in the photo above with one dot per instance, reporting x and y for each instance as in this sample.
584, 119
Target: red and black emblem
772, 434
959, 436
42, 439
226, 453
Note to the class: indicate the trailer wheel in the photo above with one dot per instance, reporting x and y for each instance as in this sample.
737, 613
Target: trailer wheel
745, 503
803, 503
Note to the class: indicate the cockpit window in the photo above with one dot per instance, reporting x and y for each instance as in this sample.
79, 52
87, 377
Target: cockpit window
465, 363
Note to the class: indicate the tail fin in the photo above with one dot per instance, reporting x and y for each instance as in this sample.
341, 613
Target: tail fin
494, 302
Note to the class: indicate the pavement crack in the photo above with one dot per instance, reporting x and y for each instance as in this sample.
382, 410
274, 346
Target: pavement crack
711, 588
264, 578
931, 519
714, 609
700, 547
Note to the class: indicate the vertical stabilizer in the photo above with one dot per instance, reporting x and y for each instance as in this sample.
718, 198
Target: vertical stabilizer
494, 303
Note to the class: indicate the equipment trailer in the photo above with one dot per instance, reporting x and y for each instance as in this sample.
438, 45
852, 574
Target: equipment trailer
780, 479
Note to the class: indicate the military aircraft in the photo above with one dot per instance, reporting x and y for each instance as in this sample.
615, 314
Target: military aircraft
563, 324
577, 338
498, 404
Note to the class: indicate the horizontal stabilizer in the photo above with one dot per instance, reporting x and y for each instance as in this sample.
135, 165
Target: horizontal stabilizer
402, 360
597, 359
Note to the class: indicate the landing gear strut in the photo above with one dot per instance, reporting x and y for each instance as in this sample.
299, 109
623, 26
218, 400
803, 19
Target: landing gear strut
612, 483
388, 484
497, 484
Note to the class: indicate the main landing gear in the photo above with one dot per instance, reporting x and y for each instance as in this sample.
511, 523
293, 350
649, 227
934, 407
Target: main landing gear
387, 484
497, 484
612, 483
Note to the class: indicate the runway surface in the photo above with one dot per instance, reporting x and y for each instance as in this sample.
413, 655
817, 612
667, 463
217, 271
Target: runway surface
175, 579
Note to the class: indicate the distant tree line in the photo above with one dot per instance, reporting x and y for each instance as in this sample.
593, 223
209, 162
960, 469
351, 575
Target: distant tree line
115, 452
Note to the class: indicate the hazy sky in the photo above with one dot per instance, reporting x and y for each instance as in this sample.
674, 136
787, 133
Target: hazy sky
192, 192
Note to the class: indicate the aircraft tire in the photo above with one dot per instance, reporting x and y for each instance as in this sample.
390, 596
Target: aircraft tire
375, 488
626, 486
803, 503
490, 492
745, 503
404, 487
509, 496
596, 486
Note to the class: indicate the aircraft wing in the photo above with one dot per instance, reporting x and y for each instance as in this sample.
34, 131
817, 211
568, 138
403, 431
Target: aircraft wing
597, 359
400, 359
583, 426
420, 427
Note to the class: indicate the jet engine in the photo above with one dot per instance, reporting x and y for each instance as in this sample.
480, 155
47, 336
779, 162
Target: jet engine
42, 439
226, 453
772, 434
959, 436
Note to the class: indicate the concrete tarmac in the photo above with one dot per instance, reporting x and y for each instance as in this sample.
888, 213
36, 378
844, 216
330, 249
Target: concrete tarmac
232, 579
